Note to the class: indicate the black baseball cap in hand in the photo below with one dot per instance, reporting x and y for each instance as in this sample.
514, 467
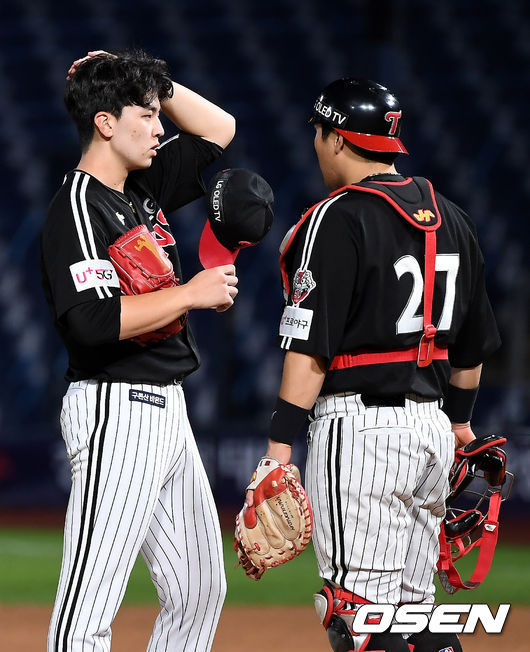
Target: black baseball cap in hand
239, 203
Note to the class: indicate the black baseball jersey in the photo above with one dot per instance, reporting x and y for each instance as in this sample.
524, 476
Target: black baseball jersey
353, 271
84, 218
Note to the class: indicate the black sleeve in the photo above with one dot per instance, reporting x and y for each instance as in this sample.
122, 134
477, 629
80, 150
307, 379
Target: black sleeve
76, 267
174, 178
478, 336
322, 276
94, 323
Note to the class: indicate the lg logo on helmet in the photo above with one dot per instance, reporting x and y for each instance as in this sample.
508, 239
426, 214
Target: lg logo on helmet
393, 117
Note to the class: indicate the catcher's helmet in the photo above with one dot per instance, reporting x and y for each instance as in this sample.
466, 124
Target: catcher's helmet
364, 112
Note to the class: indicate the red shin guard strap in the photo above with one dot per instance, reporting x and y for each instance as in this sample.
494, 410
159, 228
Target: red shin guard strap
486, 544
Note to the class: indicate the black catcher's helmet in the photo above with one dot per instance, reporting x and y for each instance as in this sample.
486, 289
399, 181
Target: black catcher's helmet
367, 114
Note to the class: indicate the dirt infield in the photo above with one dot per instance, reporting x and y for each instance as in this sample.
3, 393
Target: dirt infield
23, 629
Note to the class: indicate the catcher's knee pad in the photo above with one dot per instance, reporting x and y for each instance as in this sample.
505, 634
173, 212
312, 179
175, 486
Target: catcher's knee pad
336, 613
427, 641
336, 609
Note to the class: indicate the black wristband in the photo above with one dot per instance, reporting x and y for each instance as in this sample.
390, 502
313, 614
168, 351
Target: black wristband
286, 422
459, 403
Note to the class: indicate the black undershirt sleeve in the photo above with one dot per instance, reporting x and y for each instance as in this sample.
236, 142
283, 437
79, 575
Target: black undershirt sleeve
174, 177
95, 322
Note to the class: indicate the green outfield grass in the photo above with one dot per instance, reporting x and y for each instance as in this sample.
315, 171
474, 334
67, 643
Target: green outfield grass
30, 561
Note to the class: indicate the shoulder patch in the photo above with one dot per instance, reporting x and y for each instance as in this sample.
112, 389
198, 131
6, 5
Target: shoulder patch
87, 274
296, 323
303, 283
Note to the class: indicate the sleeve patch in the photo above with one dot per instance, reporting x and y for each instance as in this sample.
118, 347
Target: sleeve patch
303, 283
88, 274
296, 322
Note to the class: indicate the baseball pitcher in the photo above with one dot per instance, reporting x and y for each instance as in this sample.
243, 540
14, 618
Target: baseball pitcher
117, 295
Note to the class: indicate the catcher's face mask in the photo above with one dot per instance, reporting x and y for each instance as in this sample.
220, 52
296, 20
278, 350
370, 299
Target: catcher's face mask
479, 478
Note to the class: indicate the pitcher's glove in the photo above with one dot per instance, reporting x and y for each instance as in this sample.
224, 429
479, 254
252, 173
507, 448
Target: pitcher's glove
278, 526
143, 266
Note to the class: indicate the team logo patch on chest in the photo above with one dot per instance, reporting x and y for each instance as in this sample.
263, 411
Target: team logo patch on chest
303, 283
147, 397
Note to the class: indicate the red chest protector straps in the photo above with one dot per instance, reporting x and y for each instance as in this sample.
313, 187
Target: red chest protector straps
424, 216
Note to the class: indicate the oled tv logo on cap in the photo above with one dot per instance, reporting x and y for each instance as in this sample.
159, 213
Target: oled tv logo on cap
216, 200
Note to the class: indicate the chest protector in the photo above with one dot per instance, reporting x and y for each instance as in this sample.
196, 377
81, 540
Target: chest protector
423, 214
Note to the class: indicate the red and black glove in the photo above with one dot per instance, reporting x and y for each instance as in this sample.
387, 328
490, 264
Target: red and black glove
143, 266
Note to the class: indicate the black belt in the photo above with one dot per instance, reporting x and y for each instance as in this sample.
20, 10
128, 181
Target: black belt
394, 400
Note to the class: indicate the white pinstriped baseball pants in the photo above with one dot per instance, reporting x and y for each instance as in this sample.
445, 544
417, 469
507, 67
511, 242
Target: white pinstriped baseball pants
377, 481
138, 485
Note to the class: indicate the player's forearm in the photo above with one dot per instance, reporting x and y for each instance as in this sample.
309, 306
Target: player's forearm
459, 402
143, 313
196, 115
210, 288
302, 379
466, 378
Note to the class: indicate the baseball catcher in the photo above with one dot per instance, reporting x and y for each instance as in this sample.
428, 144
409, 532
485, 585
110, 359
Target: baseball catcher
278, 525
373, 343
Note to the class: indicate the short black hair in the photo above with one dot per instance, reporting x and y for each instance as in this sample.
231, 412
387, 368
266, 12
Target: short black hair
380, 157
108, 83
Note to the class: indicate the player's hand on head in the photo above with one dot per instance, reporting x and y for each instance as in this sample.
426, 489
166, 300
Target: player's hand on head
78, 62
214, 288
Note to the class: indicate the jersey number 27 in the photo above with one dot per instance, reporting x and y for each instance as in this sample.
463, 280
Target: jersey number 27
411, 322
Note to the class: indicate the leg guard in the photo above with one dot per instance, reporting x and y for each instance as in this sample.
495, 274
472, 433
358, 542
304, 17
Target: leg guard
342, 639
426, 641
336, 609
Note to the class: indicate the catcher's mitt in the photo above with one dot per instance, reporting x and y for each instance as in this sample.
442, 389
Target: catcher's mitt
143, 266
278, 526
